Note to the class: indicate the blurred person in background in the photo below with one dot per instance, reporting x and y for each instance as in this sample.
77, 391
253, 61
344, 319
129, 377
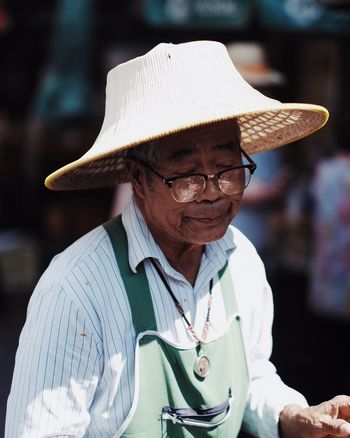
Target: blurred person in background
329, 294
159, 322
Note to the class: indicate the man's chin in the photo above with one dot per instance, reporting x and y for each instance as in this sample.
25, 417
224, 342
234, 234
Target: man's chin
207, 235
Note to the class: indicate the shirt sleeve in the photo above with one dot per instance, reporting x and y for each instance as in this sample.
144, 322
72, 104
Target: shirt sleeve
57, 368
267, 395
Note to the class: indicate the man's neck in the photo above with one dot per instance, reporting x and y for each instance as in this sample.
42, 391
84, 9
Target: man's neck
186, 259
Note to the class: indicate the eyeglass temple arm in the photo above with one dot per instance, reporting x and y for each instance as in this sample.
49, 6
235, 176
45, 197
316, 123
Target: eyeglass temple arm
251, 162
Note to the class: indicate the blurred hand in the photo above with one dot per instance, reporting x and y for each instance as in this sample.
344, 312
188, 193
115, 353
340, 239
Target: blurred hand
328, 419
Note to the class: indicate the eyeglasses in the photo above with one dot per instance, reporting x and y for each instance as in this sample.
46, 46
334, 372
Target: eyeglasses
187, 188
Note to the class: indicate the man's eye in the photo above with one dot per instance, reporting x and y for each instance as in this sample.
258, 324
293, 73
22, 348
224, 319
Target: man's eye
226, 165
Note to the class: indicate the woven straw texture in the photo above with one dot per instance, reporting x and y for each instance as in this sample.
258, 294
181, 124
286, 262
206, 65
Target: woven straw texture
177, 87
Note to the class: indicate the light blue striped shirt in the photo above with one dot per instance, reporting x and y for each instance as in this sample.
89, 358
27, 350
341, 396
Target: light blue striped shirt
74, 372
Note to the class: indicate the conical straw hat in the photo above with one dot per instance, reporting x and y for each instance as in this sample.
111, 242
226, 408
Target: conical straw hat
175, 87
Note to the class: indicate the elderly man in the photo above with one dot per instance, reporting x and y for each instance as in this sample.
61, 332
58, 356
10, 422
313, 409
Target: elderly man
158, 323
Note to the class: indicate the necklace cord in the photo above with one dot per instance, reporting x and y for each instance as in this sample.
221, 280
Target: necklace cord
180, 309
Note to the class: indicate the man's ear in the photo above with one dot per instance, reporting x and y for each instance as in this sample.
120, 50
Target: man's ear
137, 178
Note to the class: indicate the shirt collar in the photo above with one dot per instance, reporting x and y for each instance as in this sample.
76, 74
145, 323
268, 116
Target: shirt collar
141, 244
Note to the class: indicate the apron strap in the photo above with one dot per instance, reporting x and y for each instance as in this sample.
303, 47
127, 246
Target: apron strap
136, 285
228, 290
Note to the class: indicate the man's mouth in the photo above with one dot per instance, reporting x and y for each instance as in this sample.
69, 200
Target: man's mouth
208, 218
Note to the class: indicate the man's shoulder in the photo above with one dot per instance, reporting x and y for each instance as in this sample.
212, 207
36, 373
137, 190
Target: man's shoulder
94, 242
244, 258
241, 241
86, 274
248, 273
80, 266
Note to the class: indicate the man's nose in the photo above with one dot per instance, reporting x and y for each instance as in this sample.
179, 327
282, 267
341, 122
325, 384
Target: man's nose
211, 191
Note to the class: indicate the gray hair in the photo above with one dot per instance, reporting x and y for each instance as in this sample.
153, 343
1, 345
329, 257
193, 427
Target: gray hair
147, 153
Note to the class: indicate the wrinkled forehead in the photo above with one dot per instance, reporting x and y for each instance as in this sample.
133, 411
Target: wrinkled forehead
217, 137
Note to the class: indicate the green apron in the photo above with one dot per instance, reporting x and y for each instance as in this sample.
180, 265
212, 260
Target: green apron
170, 398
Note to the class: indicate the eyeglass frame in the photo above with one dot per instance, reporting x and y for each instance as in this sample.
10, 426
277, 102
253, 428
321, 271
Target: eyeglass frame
251, 166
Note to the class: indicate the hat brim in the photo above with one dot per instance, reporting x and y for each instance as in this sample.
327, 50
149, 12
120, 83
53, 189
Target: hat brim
260, 131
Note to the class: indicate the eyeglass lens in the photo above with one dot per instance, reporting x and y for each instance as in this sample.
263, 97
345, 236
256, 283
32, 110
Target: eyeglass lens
232, 182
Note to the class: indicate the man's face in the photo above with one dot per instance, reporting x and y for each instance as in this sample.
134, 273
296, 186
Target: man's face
206, 150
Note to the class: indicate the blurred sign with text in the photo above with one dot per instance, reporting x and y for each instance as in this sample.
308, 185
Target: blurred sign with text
308, 15
230, 14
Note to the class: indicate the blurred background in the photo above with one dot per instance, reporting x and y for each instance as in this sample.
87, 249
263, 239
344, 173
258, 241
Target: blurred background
54, 56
